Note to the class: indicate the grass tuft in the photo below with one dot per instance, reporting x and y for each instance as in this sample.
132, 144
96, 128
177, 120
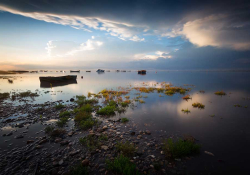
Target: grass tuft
180, 148
122, 165
220, 93
198, 105
127, 149
124, 120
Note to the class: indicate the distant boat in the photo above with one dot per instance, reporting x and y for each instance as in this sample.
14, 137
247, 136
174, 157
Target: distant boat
45, 71
100, 70
88, 70
33, 71
142, 71
58, 79
75, 71
123, 70
108, 71
117, 70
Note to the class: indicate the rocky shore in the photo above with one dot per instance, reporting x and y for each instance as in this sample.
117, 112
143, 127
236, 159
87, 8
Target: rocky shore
38, 153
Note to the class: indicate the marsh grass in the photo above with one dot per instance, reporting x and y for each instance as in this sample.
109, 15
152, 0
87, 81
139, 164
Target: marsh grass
54, 132
220, 93
180, 148
4, 96
90, 141
124, 120
64, 114
187, 97
27, 94
122, 165
186, 111
127, 149
79, 170
62, 122
198, 105
141, 101
87, 124
59, 106
103, 137
169, 92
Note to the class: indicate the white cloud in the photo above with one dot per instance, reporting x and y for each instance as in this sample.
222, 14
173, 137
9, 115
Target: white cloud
223, 31
123, 31
137, 39
69, 48
154, 56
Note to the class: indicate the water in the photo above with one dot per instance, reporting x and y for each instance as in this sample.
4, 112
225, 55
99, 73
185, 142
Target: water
226, 135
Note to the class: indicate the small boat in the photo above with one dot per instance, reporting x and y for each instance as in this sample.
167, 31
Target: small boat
75, 71
47, 84
142, 71
88, 70
58, 79
123, 70
100, 70
33, 71
117, 70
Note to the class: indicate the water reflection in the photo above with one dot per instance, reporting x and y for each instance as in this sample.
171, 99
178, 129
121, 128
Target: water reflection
45, 84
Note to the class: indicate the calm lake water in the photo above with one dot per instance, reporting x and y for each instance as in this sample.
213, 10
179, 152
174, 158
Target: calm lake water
221, 128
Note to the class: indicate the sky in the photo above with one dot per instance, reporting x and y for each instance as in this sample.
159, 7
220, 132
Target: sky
112, 34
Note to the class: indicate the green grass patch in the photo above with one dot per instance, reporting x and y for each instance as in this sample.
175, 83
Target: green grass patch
54, 132
180, 148
90, 141
169, 92
127, 149
64, 114
4, 96
186, 111
59, 106
79, 170
62, 122
103, 137
124, 120
198, 105
107, 110
220, 93
87, 124
122, 165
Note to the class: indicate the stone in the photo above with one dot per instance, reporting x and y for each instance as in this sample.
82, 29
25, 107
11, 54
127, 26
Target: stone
70, 133
19, 137
104, 147
85, 162
30, 141
72, 99
148, 132
64, 142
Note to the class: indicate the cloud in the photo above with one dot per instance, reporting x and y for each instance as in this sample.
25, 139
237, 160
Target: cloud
69, 48
221, 31
153, 56
122, 30
136, 38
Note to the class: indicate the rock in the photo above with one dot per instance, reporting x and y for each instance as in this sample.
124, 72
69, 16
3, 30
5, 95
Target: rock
104, 147
58, 140
9, 134
72, 99
132, 133
70, 133
148, 132
64, 142
85, 162
209, 153
30, 141
39, 146
139, 136
60, 162
72, 153
42, 141
162, 152
104, 127
19, 137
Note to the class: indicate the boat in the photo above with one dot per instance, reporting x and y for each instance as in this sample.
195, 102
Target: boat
33, 71
75, 71
142, 71
88, 70
123, 70
100, 70
117, 70
47, 84
58, 79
